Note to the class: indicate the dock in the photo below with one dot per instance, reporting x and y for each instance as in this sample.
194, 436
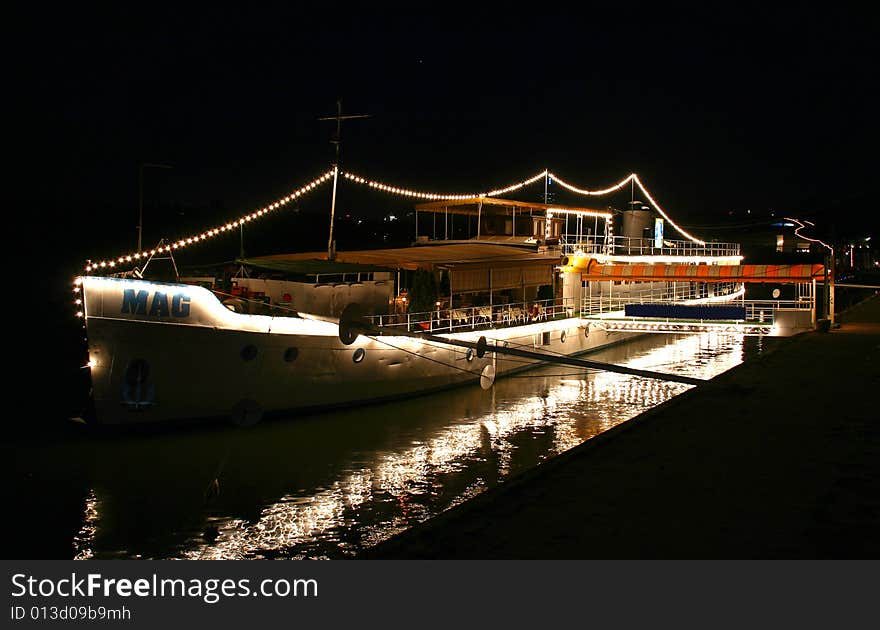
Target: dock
778, 458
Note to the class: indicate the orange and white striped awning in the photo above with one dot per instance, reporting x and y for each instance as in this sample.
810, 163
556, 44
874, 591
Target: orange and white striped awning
679, 272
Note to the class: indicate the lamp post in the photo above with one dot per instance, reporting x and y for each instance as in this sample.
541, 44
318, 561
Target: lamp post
144, 165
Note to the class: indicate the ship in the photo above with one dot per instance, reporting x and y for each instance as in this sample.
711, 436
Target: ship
297, 332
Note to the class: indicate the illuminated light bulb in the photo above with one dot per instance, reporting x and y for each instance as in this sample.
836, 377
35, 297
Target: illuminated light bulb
112, 263
77, 302
79, 313
92, 363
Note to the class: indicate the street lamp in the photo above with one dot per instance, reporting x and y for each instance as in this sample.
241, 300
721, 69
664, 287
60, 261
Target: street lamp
144, 165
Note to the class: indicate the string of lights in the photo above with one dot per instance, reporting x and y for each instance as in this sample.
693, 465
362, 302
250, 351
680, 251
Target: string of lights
631, 178
591, 193
663, 214
211, 232
801, 226
405, 192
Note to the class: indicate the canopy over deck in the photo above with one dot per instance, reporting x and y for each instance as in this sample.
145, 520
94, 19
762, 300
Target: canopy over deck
777, 274
429, 257
477, 205
472, 267
308, 267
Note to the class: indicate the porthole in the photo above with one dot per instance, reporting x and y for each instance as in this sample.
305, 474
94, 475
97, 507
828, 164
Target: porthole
562, 337
586, 331
249, 352
291, 354
359, 355
469, 355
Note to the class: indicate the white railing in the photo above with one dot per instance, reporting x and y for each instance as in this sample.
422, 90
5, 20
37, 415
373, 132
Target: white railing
763, 310
757, 311
626, 246
596, 302
474, 317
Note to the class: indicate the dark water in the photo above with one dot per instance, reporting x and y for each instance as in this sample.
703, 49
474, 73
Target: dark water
326, 485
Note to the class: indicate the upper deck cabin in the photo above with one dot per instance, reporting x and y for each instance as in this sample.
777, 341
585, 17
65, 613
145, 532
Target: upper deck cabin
506, 220
608, 235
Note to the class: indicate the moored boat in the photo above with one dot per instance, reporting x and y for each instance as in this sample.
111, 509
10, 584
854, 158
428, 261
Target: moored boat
270, 340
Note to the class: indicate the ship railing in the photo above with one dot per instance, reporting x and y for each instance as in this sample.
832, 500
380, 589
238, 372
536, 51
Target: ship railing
459, 319
627, 246
598, 299
761, 311
764, 310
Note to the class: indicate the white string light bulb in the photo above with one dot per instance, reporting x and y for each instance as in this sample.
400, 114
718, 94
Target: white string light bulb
211, 232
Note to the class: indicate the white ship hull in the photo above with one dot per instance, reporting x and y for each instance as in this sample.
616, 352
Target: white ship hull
161, 352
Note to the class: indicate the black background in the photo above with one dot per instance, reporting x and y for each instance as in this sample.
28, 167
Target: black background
721, 110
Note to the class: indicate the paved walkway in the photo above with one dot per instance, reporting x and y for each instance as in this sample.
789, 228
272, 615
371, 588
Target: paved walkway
777, 458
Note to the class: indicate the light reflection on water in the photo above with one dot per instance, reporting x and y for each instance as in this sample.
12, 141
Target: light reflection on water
332, 484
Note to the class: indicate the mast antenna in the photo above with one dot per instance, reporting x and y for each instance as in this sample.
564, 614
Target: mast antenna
337, 142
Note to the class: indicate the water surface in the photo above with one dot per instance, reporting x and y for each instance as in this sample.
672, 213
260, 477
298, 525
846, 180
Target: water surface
330, 485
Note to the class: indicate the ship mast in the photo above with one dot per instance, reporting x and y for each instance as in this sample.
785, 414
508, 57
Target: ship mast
337, 141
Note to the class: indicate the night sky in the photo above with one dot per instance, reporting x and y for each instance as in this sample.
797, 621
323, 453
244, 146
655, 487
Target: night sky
721, 111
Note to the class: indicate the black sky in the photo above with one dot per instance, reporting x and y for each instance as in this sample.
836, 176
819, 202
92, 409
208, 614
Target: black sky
720, 110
